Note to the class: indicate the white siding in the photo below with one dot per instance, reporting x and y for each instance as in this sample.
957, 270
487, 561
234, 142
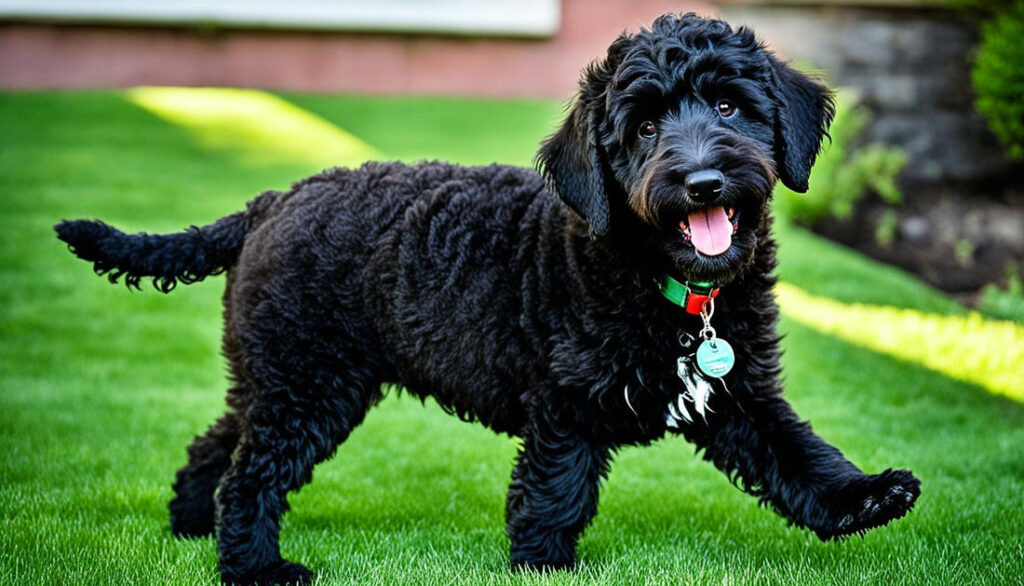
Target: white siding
467, 17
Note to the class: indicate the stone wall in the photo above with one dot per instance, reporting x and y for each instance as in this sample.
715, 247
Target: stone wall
912, 68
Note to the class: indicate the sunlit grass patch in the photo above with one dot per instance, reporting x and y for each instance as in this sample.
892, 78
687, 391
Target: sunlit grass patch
257, 126
970, 348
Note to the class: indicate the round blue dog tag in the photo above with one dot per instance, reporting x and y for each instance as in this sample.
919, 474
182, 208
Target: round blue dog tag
715, 357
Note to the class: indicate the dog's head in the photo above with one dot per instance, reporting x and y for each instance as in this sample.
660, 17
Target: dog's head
678, 137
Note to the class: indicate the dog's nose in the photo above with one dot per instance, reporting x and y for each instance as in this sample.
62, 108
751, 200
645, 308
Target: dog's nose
704, 185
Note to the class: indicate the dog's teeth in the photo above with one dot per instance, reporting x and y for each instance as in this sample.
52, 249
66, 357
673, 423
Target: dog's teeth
732, 212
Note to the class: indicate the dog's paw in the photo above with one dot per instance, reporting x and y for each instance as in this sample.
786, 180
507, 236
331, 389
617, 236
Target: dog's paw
192, 511
542, 567
282, 573
873, 502
543, 561
186, 524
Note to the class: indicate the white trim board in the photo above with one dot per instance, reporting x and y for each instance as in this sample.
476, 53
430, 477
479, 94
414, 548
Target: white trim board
534, 18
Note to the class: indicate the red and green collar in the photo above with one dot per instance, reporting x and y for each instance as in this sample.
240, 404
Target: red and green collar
691, 296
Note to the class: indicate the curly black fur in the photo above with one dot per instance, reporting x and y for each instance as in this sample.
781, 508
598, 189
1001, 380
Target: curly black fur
530, 309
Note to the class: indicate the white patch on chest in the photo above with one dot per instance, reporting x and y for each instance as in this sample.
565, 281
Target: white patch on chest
698, 391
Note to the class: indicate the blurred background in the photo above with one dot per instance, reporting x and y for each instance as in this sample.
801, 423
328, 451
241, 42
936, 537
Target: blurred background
929, 87
900, 281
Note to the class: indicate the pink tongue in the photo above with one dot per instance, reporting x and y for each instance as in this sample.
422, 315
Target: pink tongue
710, 230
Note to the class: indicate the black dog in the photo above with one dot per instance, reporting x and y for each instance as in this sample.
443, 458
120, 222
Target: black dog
567, 316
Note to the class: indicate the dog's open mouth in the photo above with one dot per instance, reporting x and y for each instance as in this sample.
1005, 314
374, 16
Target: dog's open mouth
710, 229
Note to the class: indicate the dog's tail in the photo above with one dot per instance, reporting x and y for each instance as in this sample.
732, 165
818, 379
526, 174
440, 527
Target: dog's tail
186, 257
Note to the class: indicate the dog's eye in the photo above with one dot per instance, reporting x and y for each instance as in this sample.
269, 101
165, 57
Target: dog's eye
725, 108
647, 130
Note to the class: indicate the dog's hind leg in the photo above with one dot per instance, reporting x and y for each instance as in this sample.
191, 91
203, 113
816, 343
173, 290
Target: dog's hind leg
306, 406
193, 511
209, 455
553, 495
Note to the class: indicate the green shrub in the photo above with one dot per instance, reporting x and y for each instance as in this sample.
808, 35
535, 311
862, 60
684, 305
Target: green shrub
843, 173
998, 77
1005, 303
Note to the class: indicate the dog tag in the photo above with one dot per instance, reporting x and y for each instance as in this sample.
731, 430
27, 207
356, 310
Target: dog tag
715, 357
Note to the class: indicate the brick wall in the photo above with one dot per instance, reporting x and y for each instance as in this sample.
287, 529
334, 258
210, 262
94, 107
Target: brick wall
54, 56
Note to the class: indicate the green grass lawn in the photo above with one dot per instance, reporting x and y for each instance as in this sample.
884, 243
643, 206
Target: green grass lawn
101, 389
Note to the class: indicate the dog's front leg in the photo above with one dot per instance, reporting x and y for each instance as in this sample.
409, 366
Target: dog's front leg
757, 439
553, 495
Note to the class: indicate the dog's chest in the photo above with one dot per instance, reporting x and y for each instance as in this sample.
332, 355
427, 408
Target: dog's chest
623, 382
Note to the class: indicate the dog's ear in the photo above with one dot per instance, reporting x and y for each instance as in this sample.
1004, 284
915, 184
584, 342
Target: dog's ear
571, 159
569, 162
804, 110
